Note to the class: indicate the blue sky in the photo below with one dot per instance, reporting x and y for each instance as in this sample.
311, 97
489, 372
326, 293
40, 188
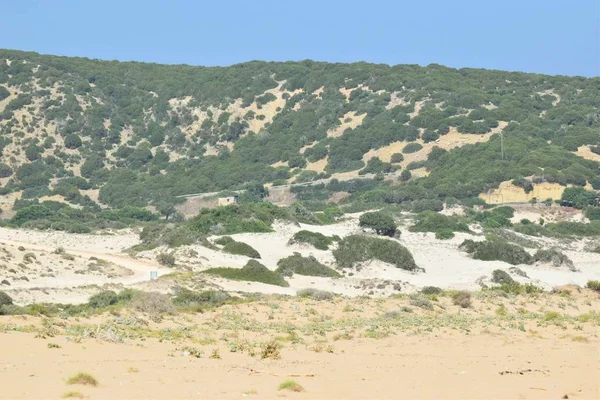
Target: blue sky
550, 36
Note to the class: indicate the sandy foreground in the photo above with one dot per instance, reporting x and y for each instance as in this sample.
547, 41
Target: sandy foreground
544, 346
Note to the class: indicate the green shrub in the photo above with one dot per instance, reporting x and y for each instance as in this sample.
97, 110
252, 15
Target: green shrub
247, 217
82, 378
166, 259
397, 158
430, 221
355, 249
253, 271
315, 294
502, 277
421, 302
5, 300
291, 385
242, 249
188, 298
553, 256
444, 234
296, 264
316, 239
153, 303
381, 223
224, 240
411, 148
462, 299
592, 213
103, 299
594, 285
428, 290
491, 250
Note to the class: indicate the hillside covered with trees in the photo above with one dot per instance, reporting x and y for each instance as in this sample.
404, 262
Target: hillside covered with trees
107, 134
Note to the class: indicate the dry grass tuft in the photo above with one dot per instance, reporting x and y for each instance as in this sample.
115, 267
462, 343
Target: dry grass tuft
291, 385
82, 378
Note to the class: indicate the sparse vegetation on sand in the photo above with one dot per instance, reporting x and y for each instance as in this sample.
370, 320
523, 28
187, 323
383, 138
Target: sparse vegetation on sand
73, 395
297, 264
356, 249
252, 271
290, 385
82, 378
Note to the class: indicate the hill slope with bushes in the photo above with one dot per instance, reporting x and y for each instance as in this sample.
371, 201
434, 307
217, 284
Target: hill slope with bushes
122, 134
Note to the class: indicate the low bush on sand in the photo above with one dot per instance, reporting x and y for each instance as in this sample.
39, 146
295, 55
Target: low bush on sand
291, 385
594, 285
315, 239
355, 249
462, 299
253, 271
491, 250
82, 378
166, 259
242, 249
431, 221
296, 264
315, 294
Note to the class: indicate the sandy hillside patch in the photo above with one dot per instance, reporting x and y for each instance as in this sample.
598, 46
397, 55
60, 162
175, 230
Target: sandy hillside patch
280, 164
449, 141
317, 166
349, 121
308, 146
509, 193
585, 152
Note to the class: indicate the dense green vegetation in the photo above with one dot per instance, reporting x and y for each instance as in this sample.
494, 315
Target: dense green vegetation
497, 250
241, 249
355, 249
429, 221
381, 223
253, 271
140, 133
297, 264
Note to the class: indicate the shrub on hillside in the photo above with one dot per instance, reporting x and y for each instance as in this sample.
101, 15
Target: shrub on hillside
411, 148
429, 221
224, 240
502, 277
355, 249
594, 285
315, 294
316, 239
397, 158
188, 298
242, 249
492, 250
381, 223
166, 259
444, 234
462, 299
427, 290
592, 213
553, 256
153, 303
103, 299
296, 264
253, 271
5, 300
